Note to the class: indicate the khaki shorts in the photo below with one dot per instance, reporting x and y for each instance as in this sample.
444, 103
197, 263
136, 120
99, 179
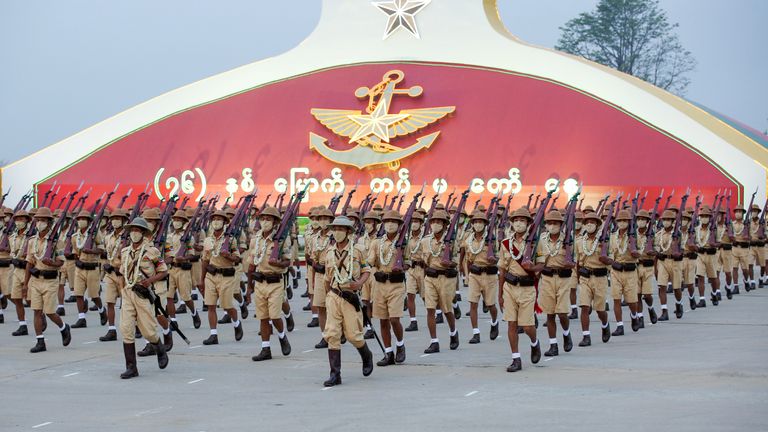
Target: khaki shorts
5, 280
689, 271
268, 298
742, 257
388, 299
670, 270
318, 299
758, 255
180, 280
365, 293
112, 286
17, 284
555, 294
725, 260
219, 288
342, 315
197, 272
136, 311
414, 281
624, 284
87, 282
310, 280
68, 271
706, 266
485, 285
518, 304
593, 292
439, 293
646, 280
44, 294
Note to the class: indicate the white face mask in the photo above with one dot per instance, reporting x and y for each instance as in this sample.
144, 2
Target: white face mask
685, 222
478, 226
323, 224
666, 223
622, 224
436, 227
151, 226
41, 225
314, 224
705, 220
591, 227
553, 229
217, 224
738, 215
82, 223
20, 225
577, 226
755, 214
390, 227
177, 224
519, 226
339, 235
136, 236
415, 226
117, 223
642, 223
266, 224
369, 226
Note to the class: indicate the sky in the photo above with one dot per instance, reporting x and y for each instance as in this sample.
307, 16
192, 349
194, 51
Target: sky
69, 64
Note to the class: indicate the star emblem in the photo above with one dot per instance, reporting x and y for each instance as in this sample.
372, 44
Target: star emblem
377, 123
401, 13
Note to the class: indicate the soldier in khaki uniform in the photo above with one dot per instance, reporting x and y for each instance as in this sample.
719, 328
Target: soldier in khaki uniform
371, 221
517, 291
180, 272
388, 288
113, 279
725, 254
463, 232
268, 292
309, 241
414, 276
41, 280
141, 266
706, 262
321, 244
624, 280
217, 279
757, 247
11, 243
87, 271
16, 240
194, 258
5, 270
742, 257
593, 279
669, 267
689, 261
482, 275
578, 226
346, 273
645, 270
440, 280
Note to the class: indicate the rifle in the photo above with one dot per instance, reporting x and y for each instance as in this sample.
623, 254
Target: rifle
651, 229
532, 238
53, 236
605, 232
235, 225
490, 237
73, 225
747, 211
427, 226
400, 202
692, 226
450, 236
676, 232
728, 224
93, 230
632, 231
502, 230
402, 236
8, 229
570, 221
392, 203
536, 203
345, 208
165, 219
642, 201
334, 204
45, 197
712, 240
284, 228
601, 205
124, 198
761, 223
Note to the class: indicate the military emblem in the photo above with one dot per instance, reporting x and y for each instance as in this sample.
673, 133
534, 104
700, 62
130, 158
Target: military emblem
372, 131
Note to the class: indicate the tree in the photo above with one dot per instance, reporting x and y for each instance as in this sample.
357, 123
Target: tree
632, 36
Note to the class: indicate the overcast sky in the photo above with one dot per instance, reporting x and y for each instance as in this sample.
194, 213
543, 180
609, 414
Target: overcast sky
71, 63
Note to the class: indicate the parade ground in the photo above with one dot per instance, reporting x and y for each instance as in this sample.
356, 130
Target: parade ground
704, 372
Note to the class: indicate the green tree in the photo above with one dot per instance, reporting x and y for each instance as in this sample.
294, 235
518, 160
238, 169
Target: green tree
632, 36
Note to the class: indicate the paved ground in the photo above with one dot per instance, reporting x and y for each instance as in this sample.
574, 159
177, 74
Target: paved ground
707, 371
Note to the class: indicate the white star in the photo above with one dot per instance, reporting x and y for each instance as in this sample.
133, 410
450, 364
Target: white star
377, 123
401, 13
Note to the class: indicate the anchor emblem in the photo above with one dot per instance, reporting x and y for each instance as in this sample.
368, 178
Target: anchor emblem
371, 132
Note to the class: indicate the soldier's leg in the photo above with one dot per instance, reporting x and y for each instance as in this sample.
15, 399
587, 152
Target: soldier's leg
79, 288
431, 298
475, 290
226, 296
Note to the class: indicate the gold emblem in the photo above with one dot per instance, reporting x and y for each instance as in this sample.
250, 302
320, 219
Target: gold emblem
371, 132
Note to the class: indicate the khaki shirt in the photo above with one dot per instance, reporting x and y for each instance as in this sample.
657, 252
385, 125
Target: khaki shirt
78, 241
619, 249
413, 249
432, 252
663, 241
383, 248
641, 241
753, 228
507, 262
587, 252
173, 241
739, 231
37, 247
552, 254
260, 250
112, 245
321, 244
137, 264
15, 242
212, 248
338, 263
721, 236
480, 258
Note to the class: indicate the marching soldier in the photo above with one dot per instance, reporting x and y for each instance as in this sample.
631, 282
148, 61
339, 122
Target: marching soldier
322, 243
15, 243
670, 266
141, 265
218, 277
113, 279
517, 291
268, 292
645, 271
593, 279
346, 273
87, 272
41, 280
742, 257
371, 221
725, 254
706, 262
414, 276
194, 258
482, 278
578, 224
757, 247
388, 288
463, 232
624, 281
689, 261
309, 241
440, 280
180, 272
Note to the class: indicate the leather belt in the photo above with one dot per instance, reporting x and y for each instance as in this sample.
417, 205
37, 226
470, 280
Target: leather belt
478, 270
433, 272
226, 272
709, 251
742, 244
267, 277
725, 246
393, 277
86, 265
592, 272
5, 263
44, 274
318, 268
522, 281
647, 263
559, 272
691, 255
624, 267
18, 263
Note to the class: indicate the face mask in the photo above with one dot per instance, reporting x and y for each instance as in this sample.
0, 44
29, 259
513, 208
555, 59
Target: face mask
478, 226
20, 225
415, 226
82, 223
642, 223
41, 225
667, 223
136, 236
623, 225
6, 219
368, 226
390, 227
314, 224
117, 223
323, 224
519, 226
705, 220
177, 224
339, 235
436, 227
553, 229
755, 214
102, 223
266, 225
217, 224
738, 215
151, 226
685, 222
577, 226
591, 227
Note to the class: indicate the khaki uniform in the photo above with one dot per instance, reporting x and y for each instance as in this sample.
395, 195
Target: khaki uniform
365, 243
6, 271
309, 241
219, 287
87, 273
16, 242
268, 291
689, 260
113, 279
645, 273
725, 254
623, 282
758, 246
482, 275
742, 256
554, 290
439, 290
195, 258
137, 264
179, 275
43, 284
594, 274
319, 254
668, 269
706, 262
414, 276
340, 313
519, 297
387, 296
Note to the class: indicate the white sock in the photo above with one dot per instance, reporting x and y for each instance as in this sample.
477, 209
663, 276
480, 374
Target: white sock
21, 323
214, 332
553, 341
453, 333
566, 332
475, 331
112, 328
387, 349
60, 306
640, 315
515, 356
434, 340
620, 324
314, 316
265, 344
573, 307
495, 323
166, 330
534, 344
585, 333
286, 316
173, 319
400, 343
236, 323
40, 337
63, 326
281, 335
101, 309
604, 325
663, 307
413, 319
368, 327
194, 312
80, 316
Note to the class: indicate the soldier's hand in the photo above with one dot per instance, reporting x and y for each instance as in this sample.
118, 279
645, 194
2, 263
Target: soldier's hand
355, 286
145, 283
201, 288
635, 254
493, 260
5, 249
527, 265
605, 260
49, 262
569, 265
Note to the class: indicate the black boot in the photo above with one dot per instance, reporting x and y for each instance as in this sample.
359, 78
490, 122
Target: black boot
515, 366
485, 308
322, 344
457, 311
455, 341
574, 314
635, 324
715, 300
110, 336
182, 309
692, 303
719, 296
66, 335
80, 323
367, 357
552, 351
137, 333
21, 331
334, 360
736, 289
652, 315
439, 319
103, 316
729, 294
434, 347
678, 310
619, 331
148, 350
702, 303
285, 346
162, 357
39, 346
305, 295
389, 359
290, 324
413, 326
568, 343
196, 320
586, 341
60, 311
368, 334
494, 332
536, 353
70, 299
265, 354
226, 319
520, 330
641, 322
92, 308
313, 322
168, 341
212, 340
239, 332
400, 354
475, 339
664, 315
244, 311
405, 304
606, 333
669, 289
307, 307
129, 350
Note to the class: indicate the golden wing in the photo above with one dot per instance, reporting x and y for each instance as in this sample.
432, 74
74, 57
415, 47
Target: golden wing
417, 119
337, 120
